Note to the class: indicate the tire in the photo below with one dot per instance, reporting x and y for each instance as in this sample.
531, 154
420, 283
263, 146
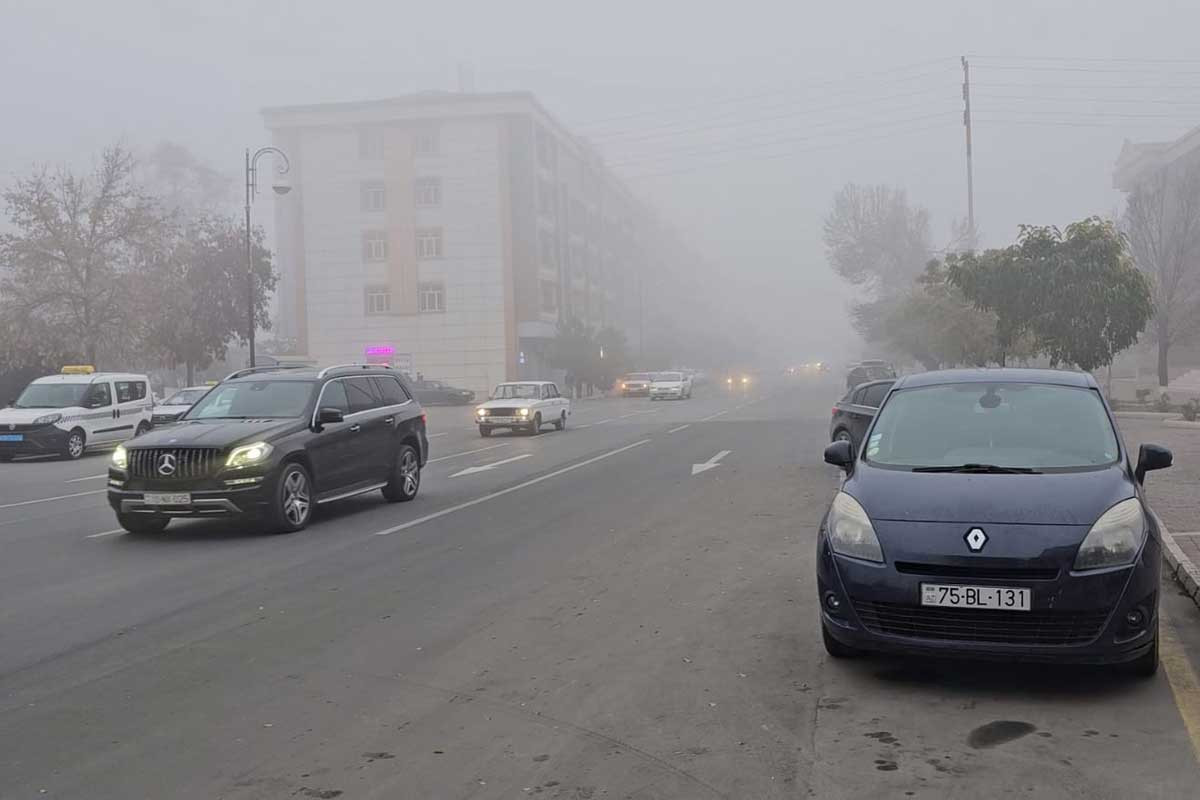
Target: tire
143, 525
561, 422
405, 480
292, 499
485, 431
142, 428
1146, 666
76, 444
835, 648
536, 428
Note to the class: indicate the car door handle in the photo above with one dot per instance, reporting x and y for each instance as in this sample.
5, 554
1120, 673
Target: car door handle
389, 420
355, 428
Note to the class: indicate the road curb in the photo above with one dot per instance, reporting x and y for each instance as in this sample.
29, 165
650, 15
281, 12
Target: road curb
1185, 572
1181, 423
1144, 414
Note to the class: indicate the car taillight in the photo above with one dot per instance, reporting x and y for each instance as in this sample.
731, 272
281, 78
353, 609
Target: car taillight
834, 412
424, 418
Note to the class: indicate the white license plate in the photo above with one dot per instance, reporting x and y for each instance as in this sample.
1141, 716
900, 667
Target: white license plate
503, 420
177, 499
1001, 598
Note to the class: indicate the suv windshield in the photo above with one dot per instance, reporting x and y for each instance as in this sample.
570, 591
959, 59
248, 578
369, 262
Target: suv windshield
1019, 425
184, 397
515, 391
254, 399
52, 395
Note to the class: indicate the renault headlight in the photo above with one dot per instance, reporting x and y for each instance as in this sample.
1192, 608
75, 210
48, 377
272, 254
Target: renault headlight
249, 454
1116, 537
47, 419
524, 412
849, 530
120, 458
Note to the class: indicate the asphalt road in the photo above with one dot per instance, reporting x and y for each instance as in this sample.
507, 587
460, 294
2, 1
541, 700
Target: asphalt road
585, 619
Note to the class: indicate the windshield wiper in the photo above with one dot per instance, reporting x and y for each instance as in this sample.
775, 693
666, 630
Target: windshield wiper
982, 469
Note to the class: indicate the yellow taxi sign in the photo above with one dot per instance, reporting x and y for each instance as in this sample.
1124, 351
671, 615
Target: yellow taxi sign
78, 369
211, 383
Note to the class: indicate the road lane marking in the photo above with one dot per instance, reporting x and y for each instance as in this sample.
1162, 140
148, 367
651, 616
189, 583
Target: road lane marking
435, 435
491, 466
585, 425
712, 463
468, 452
630, 414
88, 478
714, 416
602, 421
1185, 686
104, 533
681, 427
52, 499
493, 495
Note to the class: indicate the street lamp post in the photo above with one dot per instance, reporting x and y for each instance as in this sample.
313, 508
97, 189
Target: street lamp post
280, 188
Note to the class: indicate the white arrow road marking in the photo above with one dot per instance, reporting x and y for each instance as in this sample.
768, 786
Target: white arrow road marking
493, 465
465, 453
711, 463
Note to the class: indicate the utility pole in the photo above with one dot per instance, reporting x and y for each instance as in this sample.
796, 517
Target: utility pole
966, 89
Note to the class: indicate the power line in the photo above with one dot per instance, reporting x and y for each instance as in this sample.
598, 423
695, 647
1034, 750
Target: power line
1106, 60
1070, 112
1138, 87
1034, 98
1122, 70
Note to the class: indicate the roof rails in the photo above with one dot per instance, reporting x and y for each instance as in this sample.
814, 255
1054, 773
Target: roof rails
355, 365
241, 373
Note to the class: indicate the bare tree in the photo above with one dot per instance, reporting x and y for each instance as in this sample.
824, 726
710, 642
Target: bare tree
1162, 223
77, 243
873, 237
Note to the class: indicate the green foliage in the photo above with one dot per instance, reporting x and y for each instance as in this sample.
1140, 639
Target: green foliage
1143, 394
1191, 410
596, 358
1163, 403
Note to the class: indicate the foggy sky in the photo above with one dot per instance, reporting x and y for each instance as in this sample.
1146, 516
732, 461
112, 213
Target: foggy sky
660, 87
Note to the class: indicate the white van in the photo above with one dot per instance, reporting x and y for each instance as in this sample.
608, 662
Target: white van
80, 408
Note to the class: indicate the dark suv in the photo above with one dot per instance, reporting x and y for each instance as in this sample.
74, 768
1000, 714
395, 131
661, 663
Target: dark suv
272, 443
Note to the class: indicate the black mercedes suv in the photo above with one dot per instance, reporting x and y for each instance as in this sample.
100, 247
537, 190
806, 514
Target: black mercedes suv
272, 443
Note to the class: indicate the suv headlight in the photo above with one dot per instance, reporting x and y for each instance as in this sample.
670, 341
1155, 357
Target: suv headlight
849, 530
1116, 537
47, 419
249, 454
120, 457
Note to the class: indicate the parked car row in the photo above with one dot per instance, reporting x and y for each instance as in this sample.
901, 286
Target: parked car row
671, 384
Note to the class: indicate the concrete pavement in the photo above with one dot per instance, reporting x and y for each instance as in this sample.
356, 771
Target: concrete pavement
592, 620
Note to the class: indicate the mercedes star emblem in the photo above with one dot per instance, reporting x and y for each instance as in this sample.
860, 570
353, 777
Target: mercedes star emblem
166, 464
976, 539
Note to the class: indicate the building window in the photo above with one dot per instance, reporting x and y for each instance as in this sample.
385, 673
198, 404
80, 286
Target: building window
374, 196
549, 296
545, 149
425, 142
546, 198
429, 243
546, 245
378, 300
375, 246
370, 143
429, 192
431, 297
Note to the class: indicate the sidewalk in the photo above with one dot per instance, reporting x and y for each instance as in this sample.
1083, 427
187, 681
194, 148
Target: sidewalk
1174, 494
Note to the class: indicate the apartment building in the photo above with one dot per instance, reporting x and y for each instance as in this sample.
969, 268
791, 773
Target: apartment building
448, 233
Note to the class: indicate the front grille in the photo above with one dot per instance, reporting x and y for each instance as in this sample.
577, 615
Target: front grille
190, 462
980, 625
18, 427
502, 412
998, 573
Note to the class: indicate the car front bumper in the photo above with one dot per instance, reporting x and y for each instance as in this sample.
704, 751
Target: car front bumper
635, 391
208, 498
45, 440
1075, 618
666, 393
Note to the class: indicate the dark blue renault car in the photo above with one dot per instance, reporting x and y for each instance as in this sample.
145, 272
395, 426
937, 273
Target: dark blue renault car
993, 513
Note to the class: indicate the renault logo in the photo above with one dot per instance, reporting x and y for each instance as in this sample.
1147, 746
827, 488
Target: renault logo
976, 539
166, 464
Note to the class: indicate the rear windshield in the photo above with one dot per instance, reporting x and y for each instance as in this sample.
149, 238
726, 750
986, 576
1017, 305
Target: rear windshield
1005, 424
254, 400
184, 397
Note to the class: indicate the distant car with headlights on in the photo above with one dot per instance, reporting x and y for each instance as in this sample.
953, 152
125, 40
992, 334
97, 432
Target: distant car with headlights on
737, 381
177, 404
635, 384
993, 514
670, 386
523, 406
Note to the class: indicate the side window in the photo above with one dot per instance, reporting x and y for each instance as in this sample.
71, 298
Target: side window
125, 392
139, 390
334, 396
361, 393
857, 399
99, 395
552, 391
391, 391
875, 394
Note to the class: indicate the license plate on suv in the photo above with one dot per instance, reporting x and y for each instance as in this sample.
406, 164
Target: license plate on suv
999, 598
172, 499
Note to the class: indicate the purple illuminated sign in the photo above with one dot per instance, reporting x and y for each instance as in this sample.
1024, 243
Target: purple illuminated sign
381, 350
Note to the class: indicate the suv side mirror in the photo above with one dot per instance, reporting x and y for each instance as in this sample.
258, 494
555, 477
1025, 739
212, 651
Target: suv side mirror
330, 416
840, 454
1151, 457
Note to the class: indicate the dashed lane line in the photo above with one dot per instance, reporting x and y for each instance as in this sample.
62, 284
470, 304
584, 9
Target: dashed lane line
52, 499
681, 427
493, 495
104, 533
88, 478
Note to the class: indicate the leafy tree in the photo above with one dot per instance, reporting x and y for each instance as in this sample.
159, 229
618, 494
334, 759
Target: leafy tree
1094, 303
1162, 222
612, 357
195, 302
183, 182
572, 350
939, 327
998, 282
75, 250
